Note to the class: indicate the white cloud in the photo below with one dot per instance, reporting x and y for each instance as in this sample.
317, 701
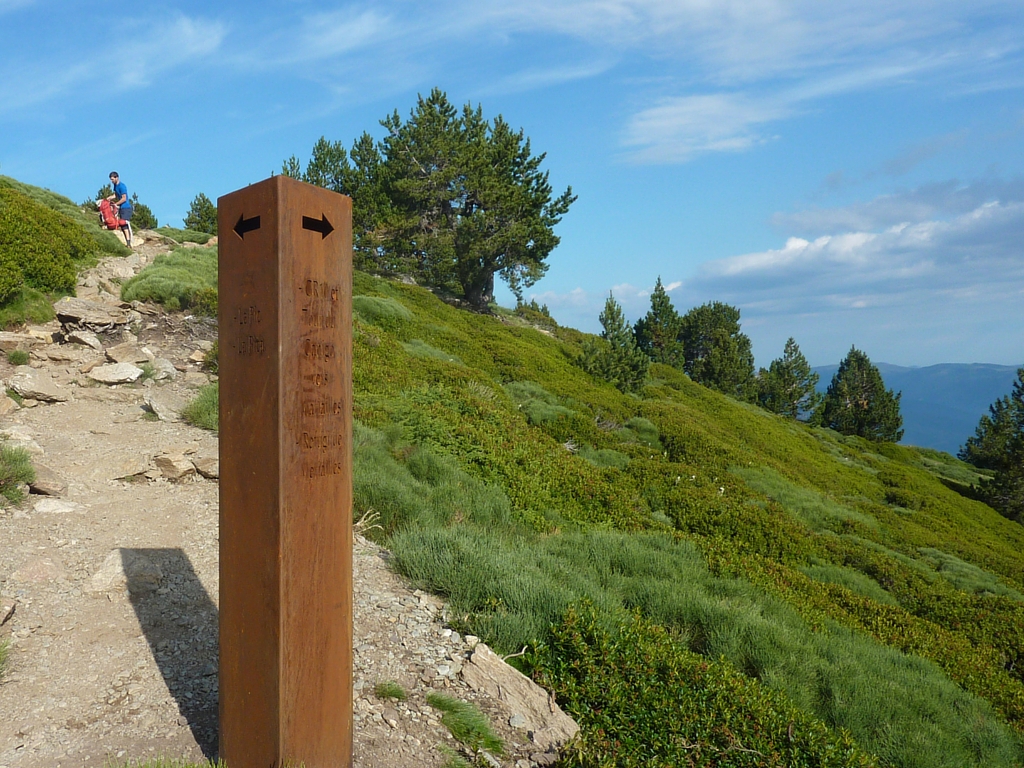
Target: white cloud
678, 128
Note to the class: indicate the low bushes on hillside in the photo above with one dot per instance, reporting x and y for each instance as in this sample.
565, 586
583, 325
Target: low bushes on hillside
105, 241
185, 278
39, 247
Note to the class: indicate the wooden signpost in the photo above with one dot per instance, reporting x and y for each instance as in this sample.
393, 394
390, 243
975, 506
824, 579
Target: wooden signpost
285, 296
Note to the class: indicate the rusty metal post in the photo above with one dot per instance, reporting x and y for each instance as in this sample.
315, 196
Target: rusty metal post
285, 295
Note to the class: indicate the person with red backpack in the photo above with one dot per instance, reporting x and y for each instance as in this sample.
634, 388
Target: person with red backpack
122, 205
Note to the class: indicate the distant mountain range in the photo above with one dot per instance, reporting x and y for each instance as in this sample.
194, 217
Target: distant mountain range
941, 404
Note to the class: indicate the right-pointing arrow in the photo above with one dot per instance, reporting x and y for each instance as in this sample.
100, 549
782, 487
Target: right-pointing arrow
323, 226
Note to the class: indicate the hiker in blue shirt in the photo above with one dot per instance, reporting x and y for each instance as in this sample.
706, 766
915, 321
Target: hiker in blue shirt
123, 205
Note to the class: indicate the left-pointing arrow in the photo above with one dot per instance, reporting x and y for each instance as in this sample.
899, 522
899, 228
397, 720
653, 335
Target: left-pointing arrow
246, 225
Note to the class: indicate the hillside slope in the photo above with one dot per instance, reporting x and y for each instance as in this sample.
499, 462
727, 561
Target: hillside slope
845, 587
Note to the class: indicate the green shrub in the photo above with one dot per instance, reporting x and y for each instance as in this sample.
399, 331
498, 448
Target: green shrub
211, 360
383, 312
17, 357
670, 710
466, 723
965, 576
537, 404
15, 470
420, 348
604, 457
204, 410
182, 279
26, 305
103, 240
39, 247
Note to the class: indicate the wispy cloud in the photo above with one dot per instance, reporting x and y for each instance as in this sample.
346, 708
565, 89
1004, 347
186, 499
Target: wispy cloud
678, 128
161, 45
937, 200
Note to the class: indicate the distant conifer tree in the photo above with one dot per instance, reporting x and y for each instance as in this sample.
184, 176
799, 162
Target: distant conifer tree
716, 353
998, 444
202, 215
657, 334
857, 402
787, 387
615, 356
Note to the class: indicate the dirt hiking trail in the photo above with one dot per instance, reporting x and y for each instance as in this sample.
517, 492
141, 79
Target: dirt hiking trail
109, 570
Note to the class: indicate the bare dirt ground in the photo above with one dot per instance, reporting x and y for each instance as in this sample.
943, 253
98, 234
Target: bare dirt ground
109, 589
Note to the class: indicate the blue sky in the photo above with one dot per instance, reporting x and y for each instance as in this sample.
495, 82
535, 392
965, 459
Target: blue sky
844, 172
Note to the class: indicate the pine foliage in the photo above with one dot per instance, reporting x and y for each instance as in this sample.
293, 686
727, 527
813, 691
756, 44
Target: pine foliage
448, 197
787, 387
615, 357
998, 445
202, 215
716, 353
657, 333
857, 402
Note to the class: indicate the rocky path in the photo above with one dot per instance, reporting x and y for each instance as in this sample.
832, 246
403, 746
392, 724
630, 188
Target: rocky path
109, 572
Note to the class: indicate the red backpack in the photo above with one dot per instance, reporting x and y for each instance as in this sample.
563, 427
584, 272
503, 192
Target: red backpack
108, 216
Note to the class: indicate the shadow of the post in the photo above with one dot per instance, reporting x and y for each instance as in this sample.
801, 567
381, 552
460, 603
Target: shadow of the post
179, 621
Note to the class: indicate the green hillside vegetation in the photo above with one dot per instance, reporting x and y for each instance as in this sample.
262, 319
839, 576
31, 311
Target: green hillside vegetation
185, 278
699, 581
45, 239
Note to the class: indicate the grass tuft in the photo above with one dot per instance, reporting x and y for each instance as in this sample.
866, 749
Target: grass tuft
17, 357
15, 471
389, 689
204, 410
466, 723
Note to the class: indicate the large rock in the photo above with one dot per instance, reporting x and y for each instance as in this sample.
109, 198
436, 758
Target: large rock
7, 405
164, 370
128, 353
126, 568
165, 403
94, 316
88, 338
546, 724
47, 482
174, 466
115, 373
35, 384
51, 506
208, 467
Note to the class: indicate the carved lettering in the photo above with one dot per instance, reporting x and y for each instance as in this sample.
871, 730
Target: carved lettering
316, 351
322, 469
323, 408
250, 346
247, 316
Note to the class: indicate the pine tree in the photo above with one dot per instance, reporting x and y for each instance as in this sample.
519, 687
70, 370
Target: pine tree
716, 354
998, 444
657, 334
857, 402
447, 196
788, 387
615, 357
202, 215
142, 217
